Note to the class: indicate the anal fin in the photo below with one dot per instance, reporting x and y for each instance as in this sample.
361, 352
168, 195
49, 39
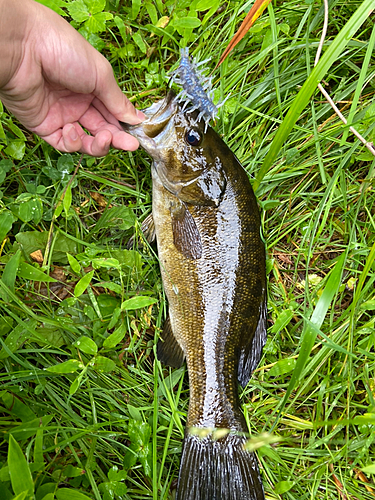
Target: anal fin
251, 351
168, 350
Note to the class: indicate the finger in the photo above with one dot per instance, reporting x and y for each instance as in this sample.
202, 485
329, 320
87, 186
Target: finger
110, 95
97, 145
71, 138
122, 140
65, 140
95, 122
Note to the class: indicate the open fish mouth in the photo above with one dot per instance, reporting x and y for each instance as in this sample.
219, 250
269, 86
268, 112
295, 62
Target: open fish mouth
157, 130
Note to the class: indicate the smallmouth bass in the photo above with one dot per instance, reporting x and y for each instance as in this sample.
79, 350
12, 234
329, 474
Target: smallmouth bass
212, 261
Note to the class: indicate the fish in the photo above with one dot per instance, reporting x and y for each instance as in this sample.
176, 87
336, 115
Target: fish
212, 259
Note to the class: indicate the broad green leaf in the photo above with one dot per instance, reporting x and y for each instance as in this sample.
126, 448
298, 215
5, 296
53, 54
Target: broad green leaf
104, 365
28, 429
115, 337
118, 217
152, 12
65, 164
203, 5
36, 240
282, 320
95, 6
136, 5
28, 272
74, 386
6, 222
5, 166
71, 471
121, 27
54, 5
67, 201
46, 489
330, 56
20, 334
139, 432
74, 264
4, 474
70, 494
134, 413
96, 22
10, 270
283, 487
38, 446
107, 304
70, 366
369, 469
87, 345
22, 496
49, 496
117, 475
137, 37
78, 10
137, 302
20, 475
263, 439
187, 22
17, 408
114, 287
369, 305
30, 209
104, 262
282, 367
16, 149
82, 284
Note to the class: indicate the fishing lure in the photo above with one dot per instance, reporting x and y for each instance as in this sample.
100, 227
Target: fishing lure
196, 88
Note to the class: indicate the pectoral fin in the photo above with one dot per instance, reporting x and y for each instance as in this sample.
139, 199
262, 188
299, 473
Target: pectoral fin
148, 230
186, 236
168, 350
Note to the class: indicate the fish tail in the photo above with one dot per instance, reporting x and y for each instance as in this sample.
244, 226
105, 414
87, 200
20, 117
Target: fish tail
218, 469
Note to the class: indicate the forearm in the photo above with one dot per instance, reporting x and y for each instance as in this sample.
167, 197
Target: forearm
14, 24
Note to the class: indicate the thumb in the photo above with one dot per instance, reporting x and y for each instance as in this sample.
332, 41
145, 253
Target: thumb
113, 99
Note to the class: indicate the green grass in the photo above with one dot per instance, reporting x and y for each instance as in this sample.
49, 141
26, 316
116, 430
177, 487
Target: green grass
99, 416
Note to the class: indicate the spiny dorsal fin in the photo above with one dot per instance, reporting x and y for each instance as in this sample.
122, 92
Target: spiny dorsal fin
168, 350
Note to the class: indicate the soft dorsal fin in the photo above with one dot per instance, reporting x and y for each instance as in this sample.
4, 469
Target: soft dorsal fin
168, 350
251, 351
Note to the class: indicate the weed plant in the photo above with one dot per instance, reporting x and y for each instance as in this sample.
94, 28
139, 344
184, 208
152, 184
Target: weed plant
86, 411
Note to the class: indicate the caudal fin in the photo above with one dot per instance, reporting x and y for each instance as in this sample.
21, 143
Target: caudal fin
218, 470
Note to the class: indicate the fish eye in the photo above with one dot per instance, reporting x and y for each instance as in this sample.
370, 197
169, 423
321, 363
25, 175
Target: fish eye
193, 137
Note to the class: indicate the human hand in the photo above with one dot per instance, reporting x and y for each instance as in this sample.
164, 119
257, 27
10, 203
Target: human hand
56, 83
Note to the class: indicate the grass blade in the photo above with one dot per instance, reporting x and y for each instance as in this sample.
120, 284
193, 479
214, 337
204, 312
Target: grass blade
20, 475
309, 87
312, 328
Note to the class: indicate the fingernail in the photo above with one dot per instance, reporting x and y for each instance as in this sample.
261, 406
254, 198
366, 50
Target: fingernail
73, 133
140, 114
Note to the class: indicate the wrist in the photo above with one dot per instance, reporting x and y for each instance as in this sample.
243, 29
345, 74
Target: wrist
14, 16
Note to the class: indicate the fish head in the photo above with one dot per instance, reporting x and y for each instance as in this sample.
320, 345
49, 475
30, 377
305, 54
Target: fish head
187, 157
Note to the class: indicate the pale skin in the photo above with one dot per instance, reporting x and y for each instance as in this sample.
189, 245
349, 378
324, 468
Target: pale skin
55, 82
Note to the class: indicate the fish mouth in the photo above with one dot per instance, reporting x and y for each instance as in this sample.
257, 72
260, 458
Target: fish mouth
157, 129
